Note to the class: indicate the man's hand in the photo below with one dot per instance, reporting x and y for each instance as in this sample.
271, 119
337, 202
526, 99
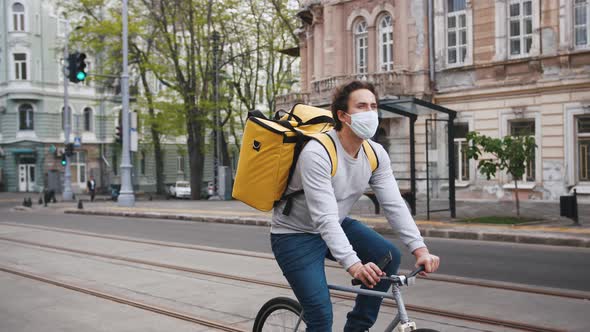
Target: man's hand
369, 273
430, 262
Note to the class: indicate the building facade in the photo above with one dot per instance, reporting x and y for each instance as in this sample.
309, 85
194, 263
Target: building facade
31, 112
31, 103
508, 67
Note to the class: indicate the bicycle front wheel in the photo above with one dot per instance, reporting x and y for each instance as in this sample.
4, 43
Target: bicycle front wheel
279, 314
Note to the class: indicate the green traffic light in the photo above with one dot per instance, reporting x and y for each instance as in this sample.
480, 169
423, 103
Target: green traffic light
63, 162
81, 76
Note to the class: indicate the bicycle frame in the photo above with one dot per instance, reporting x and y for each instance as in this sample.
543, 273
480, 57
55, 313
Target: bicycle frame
402, 314
400, 317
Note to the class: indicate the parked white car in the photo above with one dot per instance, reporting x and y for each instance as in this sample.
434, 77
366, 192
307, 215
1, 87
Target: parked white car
181, 189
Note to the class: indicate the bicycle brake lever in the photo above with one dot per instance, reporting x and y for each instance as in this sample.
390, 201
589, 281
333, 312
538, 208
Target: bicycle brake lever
381, 265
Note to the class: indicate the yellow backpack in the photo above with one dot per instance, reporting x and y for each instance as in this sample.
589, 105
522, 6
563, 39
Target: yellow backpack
270, 149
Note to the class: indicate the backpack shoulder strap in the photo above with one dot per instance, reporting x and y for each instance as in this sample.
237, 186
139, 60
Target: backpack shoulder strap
328, 143
371, 155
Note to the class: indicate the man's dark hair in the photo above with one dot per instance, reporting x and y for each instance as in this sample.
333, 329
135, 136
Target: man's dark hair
341, 96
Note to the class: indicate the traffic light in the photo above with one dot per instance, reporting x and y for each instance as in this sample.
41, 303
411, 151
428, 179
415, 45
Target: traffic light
118, 135
77, 67
64, 161
69, 149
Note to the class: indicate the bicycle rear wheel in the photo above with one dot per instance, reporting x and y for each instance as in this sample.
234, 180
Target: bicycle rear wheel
279, 314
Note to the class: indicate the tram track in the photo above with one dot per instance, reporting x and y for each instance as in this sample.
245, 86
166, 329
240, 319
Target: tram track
334, 294
123, 300
432, 277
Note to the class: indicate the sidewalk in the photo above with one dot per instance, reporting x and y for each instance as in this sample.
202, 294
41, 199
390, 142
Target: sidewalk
554, 230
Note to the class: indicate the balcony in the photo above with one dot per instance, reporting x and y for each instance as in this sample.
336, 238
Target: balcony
393, 83
286, 102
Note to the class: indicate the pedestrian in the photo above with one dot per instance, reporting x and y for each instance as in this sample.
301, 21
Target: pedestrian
91, 187
318, 225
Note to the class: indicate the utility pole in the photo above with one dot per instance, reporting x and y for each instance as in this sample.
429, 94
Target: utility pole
67, 194
126, 196
217, 122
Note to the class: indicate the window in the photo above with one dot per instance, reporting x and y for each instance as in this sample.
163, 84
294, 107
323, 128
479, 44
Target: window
142, 163
583, 143
386, 43
525, 128
180, 164
78, 163
581, 22
361, 47
456, 32
63, 118
461, 146
20, 66
25, 117
87, 119
520, 27
18, 17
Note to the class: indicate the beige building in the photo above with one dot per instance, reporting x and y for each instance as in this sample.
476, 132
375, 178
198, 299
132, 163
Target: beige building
508, 67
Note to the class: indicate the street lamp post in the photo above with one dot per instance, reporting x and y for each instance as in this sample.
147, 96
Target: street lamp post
126, 196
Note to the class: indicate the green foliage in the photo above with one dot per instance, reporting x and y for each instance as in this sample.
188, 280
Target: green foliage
510, 154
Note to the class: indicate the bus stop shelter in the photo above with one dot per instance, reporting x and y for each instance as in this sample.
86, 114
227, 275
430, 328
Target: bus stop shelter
412, 108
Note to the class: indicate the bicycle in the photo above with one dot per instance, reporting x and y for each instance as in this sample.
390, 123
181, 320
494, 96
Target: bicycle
286, 314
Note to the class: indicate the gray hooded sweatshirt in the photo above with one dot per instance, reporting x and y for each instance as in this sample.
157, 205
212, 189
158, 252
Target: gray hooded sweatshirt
328, 200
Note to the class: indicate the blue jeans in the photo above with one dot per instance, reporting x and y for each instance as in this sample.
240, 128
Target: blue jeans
301, 258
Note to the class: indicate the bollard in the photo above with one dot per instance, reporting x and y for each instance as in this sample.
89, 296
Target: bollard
27, 202
40, 200
568, 206
80, 205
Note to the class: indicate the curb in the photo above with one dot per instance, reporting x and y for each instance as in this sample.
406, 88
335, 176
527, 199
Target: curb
378, 227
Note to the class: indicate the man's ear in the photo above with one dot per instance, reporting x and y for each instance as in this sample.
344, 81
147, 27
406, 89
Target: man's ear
341, 116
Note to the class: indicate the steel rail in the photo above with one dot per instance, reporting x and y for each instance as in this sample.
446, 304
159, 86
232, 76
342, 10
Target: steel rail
431, 277
340, 295
122, 300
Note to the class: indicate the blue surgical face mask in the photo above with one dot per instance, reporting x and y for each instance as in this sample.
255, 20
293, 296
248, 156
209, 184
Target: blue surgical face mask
364, 124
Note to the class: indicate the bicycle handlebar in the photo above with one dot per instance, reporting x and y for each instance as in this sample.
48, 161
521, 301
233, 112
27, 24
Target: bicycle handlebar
421, 268
398, 280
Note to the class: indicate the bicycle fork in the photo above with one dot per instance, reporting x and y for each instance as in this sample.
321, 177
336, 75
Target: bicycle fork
405, 325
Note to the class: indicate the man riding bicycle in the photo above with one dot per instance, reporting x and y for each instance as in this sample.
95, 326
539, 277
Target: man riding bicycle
318, 227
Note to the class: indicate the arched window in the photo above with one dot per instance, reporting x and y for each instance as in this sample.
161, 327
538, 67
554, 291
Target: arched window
386, 43
18, 17
361, 47
63, 118
25, 117
88, 119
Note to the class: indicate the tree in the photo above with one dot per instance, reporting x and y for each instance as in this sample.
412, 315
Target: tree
510, 154
184, 43
257, 71
101, 30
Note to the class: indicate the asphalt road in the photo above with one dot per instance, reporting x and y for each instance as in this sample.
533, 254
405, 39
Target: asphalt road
548, 266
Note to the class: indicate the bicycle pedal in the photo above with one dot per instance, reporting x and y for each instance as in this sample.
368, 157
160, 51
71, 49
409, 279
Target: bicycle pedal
406, 327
